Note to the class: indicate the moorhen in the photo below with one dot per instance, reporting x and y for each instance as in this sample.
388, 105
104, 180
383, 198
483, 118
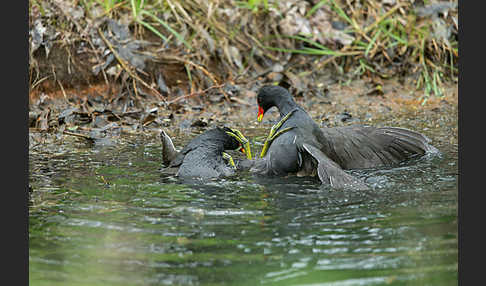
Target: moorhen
296, 144
204, 157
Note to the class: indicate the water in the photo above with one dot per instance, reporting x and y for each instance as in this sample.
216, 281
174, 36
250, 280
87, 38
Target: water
110, 216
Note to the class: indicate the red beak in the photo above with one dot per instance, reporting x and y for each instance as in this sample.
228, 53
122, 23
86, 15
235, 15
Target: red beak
260, 114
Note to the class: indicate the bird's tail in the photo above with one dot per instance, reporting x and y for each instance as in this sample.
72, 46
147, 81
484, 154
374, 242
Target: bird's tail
169, 152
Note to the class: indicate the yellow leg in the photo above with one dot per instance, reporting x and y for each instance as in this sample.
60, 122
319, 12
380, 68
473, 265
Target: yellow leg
242, 139
274, 134
270, 139
230, 159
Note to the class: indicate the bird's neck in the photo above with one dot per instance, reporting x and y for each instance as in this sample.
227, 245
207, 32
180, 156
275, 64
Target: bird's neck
286, 106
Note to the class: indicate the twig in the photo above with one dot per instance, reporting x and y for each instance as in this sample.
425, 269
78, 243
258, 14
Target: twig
325, 62
240, 101
125, 66
388, 13
78, 135
195, 93
260, 45
37, 82
205, 71
116, 6
62, 89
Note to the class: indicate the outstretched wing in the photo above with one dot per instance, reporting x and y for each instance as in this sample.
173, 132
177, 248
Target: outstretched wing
330, 173
360, 146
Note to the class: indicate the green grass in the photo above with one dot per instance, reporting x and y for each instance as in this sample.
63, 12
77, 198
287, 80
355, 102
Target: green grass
383, 36
390, 31
138, 12
253, 5
143, 13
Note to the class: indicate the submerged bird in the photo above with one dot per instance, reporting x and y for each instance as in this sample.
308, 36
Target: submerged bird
204, 157
297, 145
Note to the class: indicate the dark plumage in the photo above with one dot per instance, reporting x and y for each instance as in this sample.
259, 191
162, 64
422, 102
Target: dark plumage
307, 149
202, 156
362, 146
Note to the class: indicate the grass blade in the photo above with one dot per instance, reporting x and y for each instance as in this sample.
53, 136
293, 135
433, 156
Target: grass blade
177, 35
341, 12
148, 26
372, 43
315, 7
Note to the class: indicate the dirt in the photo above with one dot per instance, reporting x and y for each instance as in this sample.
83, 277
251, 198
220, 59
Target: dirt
65, 67
100, 79
101, 111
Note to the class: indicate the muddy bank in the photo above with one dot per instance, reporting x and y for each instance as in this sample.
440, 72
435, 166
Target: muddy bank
65, 68
97, 72
190, 46
86, 116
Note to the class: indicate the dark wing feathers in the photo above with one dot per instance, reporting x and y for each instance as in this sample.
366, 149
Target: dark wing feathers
360, 146
331, 173
192, 145
413, 141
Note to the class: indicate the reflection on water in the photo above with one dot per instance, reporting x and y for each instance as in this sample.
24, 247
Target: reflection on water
110, 216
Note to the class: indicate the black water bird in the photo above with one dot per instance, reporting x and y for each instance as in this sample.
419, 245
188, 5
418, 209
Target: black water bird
204, 157
297, 145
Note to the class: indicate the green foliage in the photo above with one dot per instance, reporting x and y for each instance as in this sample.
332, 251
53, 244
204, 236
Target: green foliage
138, 12
253, 5
110, 4
403, 35
314, 49
315, 7
384, 37
143, 13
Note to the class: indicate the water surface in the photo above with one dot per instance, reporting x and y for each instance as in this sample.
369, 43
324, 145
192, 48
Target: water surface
111, 216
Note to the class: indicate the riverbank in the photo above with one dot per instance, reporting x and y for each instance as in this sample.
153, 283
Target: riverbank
160, 49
